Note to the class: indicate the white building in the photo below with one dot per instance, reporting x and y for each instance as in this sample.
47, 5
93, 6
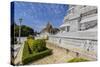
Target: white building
79, 18
78, 31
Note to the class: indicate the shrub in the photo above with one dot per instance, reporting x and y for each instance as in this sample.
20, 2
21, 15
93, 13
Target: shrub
39, 45
38, 50
78, 60
27, 57
36, 45
35, 56
30, 44
26, 51
30, 37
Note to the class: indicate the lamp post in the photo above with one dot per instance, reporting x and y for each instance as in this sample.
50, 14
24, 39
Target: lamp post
20, 21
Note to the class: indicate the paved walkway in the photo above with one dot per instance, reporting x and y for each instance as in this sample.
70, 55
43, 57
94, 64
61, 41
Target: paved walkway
59, 56
18, 59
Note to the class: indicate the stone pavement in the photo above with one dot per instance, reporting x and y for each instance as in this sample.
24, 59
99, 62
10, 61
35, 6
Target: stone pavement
18, 58
59, 56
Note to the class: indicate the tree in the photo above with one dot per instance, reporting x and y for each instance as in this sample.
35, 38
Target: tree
25, 30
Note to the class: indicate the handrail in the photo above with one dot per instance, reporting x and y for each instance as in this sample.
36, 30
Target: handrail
73, 38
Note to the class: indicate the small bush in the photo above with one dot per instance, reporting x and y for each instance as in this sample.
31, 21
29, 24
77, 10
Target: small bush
35, 56
30, 43
78, 60
34, 49
30, 37
39, 45
36, 45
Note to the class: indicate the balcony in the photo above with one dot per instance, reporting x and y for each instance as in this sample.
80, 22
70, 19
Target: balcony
86, 9
88, 18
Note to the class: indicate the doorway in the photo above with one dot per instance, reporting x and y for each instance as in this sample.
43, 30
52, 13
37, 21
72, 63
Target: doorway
68, 28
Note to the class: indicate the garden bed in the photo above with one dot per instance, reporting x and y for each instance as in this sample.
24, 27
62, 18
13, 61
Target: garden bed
32, 54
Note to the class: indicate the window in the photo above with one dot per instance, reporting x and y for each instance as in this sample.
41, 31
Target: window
84, 6
68, 28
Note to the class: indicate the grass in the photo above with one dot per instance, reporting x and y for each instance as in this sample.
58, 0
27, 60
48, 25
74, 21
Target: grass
78, 60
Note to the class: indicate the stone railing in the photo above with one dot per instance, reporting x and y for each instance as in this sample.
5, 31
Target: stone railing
87, 47
88, 8
89, 16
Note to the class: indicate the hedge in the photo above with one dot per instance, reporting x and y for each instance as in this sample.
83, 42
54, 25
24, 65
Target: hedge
35, 56
36, 45
39, 45
26, 51
78, 60
29, 55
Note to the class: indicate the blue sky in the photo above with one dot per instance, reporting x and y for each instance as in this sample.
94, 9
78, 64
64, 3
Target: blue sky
37, 15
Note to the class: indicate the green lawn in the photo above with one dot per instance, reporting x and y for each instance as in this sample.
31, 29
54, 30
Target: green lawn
78, 60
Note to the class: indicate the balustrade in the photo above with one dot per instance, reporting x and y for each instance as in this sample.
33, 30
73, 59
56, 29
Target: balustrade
84, 45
